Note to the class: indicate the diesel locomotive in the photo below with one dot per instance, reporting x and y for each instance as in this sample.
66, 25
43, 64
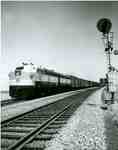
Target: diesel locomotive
29, 81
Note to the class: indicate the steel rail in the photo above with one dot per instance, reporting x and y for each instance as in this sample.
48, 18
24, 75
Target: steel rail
11, 101
7, 102
19, 144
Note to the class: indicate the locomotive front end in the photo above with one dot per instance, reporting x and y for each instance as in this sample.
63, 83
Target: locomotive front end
22, 81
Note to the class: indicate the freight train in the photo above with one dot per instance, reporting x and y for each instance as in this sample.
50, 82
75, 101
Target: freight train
29, 81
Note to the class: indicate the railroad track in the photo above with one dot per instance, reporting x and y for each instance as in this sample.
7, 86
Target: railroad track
14, 100
10, 101
34, 129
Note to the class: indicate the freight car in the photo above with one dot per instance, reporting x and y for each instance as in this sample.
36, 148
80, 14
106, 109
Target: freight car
28, 81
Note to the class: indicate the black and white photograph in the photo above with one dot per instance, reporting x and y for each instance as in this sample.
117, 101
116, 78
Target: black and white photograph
59, 75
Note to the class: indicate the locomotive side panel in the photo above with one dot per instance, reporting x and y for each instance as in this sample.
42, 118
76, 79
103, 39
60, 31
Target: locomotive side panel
46, 83
65, 84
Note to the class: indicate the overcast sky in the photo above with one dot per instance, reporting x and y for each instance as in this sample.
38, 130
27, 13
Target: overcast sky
57, 35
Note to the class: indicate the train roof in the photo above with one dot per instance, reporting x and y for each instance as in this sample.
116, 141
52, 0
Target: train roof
51, 72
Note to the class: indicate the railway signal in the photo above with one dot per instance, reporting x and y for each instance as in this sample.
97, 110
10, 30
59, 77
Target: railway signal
104, 25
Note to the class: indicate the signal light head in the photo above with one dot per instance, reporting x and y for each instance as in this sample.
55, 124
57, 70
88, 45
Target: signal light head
104, 25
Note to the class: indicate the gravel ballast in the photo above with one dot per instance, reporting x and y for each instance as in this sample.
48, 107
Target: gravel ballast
85, 130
